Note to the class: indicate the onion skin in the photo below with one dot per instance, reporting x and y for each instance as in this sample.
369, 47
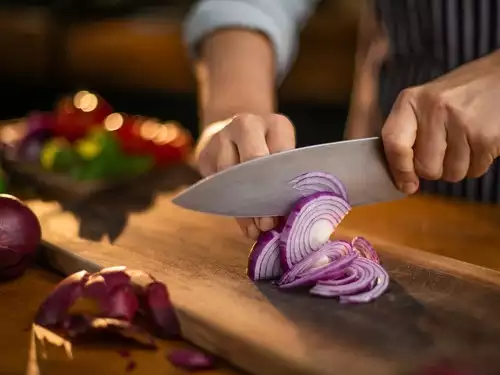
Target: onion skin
54, 309
114, 293
154, 301
20, 233
161, 311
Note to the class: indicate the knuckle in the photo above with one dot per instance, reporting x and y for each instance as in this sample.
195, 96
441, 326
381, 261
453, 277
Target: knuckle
429, 171
281, 121
392, 142
408, 95
246, 122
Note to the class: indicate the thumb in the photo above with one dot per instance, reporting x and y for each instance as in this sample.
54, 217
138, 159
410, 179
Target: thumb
399, 134
280, 135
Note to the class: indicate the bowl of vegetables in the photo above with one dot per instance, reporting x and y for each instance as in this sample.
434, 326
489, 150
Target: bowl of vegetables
83, 145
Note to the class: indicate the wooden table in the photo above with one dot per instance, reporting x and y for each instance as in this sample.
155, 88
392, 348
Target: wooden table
439, 226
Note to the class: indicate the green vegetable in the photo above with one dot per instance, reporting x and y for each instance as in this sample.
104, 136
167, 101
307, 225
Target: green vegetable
58, 155
104, 159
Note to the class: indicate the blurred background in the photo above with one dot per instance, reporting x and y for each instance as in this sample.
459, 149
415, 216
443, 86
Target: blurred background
131, 52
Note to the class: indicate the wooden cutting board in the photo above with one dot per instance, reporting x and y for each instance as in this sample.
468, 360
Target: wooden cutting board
438, 309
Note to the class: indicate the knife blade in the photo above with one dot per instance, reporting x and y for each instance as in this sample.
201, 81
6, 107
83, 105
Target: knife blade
261, 187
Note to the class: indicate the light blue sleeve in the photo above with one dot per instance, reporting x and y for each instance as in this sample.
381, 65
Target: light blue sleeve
280, 20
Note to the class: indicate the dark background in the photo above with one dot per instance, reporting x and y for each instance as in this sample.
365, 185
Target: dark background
67, 51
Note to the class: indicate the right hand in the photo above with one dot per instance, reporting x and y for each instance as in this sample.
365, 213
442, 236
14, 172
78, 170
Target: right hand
245, 137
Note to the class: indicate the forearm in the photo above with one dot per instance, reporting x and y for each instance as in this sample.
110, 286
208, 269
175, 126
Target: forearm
364, 113
235, 73
242, 49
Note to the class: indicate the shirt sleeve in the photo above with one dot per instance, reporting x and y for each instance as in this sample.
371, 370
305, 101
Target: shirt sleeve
280, 20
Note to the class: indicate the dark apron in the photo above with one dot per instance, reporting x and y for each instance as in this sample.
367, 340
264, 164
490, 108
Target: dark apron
427, 39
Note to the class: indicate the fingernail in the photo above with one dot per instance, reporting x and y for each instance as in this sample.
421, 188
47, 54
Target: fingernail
408, 187
266, 223
253, 232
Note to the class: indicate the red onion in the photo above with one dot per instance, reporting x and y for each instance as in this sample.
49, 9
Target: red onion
313, 182
115, 292
329, 260
365, 249
190, 359
155, 303
350, 271
310, 224
56, 306
264, 259
20, 236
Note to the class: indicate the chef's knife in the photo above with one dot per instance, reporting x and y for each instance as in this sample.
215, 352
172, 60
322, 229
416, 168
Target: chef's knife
261, 187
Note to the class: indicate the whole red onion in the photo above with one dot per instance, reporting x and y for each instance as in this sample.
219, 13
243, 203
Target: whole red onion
20, 235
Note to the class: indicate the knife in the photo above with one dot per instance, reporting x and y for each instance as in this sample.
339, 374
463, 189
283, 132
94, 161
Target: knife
261, 187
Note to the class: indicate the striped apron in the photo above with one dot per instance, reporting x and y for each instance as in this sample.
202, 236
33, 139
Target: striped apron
427, 39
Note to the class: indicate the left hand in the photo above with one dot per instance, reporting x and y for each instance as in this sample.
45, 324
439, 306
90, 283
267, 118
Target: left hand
446, 129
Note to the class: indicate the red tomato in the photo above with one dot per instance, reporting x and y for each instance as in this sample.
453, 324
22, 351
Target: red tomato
128, 133
74, 116
171, 145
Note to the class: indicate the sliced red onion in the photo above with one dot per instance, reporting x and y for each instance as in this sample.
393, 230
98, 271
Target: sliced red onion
315, 263
191, 359
264, 259
161, 311
310, 224
381, 282
366, 276
349, 275
122, 303
115, 276
371, 282
55, 307
365, 249
313, 182
154, 301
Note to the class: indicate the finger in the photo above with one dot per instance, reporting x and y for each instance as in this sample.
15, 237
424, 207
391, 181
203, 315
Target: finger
248, 227
266, 223
480, 161
205, 163
248, 133
227, 156
457, 158
280, 134
430, 145
399, 135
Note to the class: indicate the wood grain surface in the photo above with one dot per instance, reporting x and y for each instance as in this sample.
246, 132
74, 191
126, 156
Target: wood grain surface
437, 309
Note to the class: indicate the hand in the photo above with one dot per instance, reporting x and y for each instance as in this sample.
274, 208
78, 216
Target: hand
446, 129
244, 138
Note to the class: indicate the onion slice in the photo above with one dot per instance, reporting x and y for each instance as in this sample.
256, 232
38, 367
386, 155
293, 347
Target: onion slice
309, 226
313, 182
381, 283
371, 281
191, 359
314, 265
264, 259
55, 307
365, 249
